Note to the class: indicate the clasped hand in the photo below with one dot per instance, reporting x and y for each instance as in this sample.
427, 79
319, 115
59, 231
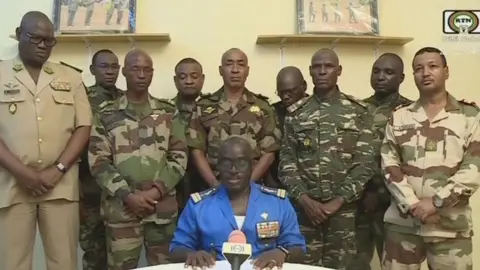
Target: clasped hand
319, 212
425, 211
142, 203
39, 182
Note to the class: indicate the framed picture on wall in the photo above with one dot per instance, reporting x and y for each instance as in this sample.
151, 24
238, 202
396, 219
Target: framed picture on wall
355, 17
94, 16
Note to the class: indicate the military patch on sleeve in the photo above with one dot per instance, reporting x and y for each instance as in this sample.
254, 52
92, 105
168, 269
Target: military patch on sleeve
471, 103
70, 66
198, 196
281, 193
295, 106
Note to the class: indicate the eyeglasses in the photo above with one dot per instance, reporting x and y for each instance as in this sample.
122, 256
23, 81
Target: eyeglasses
239, 163
34, 39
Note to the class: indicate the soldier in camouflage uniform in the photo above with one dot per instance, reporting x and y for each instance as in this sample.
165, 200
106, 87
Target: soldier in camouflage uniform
233, 111
431, 160
325, 160
291, 87
105, 68
138, 154
386, 77
188, 80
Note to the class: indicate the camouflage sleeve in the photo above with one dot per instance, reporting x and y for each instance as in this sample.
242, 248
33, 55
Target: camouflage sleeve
395, 180
100, 159
177, 155
196, 134
272, 136
363, 163
465, 181
376, 181
288, 171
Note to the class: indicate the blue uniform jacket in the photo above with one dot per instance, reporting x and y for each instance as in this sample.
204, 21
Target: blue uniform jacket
208, 219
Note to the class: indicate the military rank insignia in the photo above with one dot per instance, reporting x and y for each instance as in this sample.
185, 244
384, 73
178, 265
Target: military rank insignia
12, 108
268, 229
48, 70
431, 145
209, 110
254, 109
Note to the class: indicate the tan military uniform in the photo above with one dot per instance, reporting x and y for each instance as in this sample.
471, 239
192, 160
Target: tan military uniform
36, 123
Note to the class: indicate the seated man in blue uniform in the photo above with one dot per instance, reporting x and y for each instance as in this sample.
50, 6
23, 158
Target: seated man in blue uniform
263, 214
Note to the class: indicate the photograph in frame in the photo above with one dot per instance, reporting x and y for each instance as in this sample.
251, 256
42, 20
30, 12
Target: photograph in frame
348, 17
94, 16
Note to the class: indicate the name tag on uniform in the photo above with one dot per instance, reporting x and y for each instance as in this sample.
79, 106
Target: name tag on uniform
11, 91
404, 127
61, 86
268, 229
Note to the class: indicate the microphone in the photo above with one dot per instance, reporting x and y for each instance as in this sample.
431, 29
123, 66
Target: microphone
236, 250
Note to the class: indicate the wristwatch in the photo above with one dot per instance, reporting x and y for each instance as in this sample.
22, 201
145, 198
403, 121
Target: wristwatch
61, 167
284, 250
437, 201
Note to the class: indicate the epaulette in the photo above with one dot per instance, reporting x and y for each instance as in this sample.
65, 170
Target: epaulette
168, 101
262, 97
207, 95
70, 66
471, 103
105, 104
198, 196
357, 101
281, 193
402, 106
295, 106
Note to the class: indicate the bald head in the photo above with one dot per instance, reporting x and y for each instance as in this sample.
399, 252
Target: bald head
34, 17
291, 85
234, 69
233, 51
133, 56
326, 53
138, 71
325, 69
237, 144
394, 59
36, 39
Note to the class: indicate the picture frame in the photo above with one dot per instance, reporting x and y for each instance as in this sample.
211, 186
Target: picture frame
94, 16
337, 17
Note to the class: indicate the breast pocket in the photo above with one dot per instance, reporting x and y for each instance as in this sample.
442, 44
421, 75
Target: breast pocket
11, 97
346, 139
64, 103
306, 138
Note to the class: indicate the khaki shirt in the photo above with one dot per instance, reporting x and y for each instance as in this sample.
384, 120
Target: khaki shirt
36, 122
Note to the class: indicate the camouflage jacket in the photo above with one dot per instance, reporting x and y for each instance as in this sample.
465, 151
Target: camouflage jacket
215, 120
423, 158
96, 96
382, 110
127, 155
327, 148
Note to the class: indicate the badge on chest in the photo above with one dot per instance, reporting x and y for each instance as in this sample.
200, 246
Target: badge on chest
268, 229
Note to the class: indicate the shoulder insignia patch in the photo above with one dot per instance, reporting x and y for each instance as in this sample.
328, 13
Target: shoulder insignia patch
281, 193
295, 106
70, 66
198, 196
471, 103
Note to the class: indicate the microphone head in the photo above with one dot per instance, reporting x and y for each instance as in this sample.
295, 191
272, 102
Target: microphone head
237, 236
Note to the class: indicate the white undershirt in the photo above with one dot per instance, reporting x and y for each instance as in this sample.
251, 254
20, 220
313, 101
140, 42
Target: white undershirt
240, 220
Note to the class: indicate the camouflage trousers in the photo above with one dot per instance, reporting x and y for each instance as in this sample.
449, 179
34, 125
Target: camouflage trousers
92, 238
405, 251
125, 241
332, 243
370, 233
